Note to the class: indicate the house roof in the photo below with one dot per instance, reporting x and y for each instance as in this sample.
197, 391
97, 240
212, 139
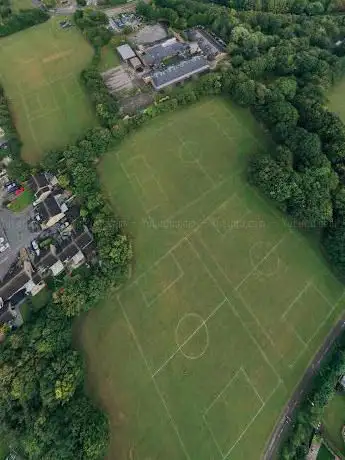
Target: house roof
48, 208
126, 52
72, 213
135, 62
42, 190
83, 239
38, 181
57, 268
70, 251
48, 260
14, 284
6, 314
177, 72
18, 297
169, 48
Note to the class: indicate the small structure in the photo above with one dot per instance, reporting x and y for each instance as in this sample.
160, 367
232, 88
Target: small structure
211, 46
136, 63
178, 72
126, 53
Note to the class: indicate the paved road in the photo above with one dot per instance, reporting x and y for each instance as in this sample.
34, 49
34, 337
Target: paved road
283, 423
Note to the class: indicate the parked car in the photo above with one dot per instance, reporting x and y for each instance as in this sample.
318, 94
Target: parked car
11, 186
19, 191
35, 247
3, 247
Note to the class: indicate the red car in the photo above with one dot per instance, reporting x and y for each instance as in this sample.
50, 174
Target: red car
19, 191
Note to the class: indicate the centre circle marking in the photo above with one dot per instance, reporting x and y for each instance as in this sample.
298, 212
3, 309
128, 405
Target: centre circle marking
202, 327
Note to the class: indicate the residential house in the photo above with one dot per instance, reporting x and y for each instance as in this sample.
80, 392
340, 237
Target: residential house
42, 185
8, 313
50, 211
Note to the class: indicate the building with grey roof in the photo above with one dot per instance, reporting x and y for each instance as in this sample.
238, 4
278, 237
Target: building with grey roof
210, 46
154, 55
179, 72
126, 52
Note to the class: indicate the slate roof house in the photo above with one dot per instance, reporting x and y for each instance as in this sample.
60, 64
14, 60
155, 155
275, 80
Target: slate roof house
42, 184
49, 211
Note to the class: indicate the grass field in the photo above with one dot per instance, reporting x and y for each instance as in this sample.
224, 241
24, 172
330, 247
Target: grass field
336, 99
334, 420
108, 59
40, 72
21, 5
195, 358
324, 454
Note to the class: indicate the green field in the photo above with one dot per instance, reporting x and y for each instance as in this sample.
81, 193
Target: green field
195, 358
334, 420
108, 59
40, 70
336, 99
21, 5
324, 454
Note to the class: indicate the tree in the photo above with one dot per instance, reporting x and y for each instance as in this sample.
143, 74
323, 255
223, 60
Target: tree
271, 178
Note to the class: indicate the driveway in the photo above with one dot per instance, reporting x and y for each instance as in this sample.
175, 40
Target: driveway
18, 234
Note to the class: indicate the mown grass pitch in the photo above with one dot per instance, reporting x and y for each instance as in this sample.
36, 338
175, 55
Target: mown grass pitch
40, 70
195, 358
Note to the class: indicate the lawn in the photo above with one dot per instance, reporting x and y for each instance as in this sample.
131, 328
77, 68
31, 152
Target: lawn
324, 454
109, 59
40, 72
3, 450
21, 5
334, 420
22, 201
227, 304
336, 99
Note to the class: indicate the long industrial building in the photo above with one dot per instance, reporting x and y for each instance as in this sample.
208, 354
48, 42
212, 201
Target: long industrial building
179, 72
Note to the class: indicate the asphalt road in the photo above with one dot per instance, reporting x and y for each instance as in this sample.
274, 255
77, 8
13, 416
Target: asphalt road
286, 417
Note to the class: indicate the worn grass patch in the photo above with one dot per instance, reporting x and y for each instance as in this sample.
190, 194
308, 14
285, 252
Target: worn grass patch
40, 72
203, 347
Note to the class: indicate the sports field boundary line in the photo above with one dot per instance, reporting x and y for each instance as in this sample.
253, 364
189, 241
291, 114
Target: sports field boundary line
172, 283
252, 385
136, 340
174, 246
204, 323
321, 325
237, 314
222, 391
260, 325
213, 436
245, 304
252, 421
296, 299
260, 262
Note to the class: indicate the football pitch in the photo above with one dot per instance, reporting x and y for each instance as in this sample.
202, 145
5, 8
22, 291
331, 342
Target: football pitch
196, 356
40, 70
